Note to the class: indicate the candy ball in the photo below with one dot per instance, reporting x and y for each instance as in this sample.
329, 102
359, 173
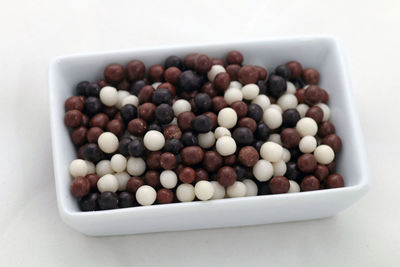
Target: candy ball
204, 190
78, 167
108, 182
146, 195
154, 140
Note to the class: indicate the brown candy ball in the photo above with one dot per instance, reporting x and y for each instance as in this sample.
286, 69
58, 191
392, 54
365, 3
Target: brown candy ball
321, 172
222, 81
110, 111
248, 123
310, 183
114, 73
218, 103
171, 132
156, 73
79, 153
248, 156
172, 75
74, 102
332, 167
192, 155
315, 113
165, 196
147, 111
92, 178
262, 73
187, 175
203, 64
334, 141
226, 176
73, 118
313, 95
218, 61
212, 161
208, 88
99, 120
295, 69
85, 120
240, 107
115, 126
124, 85
93, 134
201, 174
190, 61
152, 178
307, 163
153, 160
133, 184
279, 185
137, 127
234, 57
135, 70
80, 187
185, 120
146, 94
230, 160
102, 83
300, 95
248, 74
334, 181
168, 161
78, 136
290, 138
310, 76
233, 71
326, 128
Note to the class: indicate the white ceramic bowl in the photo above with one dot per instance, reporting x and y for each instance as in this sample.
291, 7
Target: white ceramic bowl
321, 52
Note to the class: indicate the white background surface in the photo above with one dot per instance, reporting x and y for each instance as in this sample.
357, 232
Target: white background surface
32, 32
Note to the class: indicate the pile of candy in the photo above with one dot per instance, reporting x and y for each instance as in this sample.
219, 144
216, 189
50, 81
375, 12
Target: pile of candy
199, 128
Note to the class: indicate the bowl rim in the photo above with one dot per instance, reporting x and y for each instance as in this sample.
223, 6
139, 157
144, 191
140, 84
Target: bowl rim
361, 187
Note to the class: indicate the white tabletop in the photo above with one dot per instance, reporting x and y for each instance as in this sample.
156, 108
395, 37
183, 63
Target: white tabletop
32, 32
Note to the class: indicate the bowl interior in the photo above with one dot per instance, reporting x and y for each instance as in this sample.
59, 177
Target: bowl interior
320, 53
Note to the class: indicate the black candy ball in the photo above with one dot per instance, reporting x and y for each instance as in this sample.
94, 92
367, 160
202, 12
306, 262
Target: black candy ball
257, 145
255, 112
136, 87
136, 148
276, 86
164, 114
161, 96
243, 136
189, 139
203, 102
125, 200
189, 81
283, 71
155, 127
92, 89
92, 105
263, 87
262, 132
128, 112
80, 88
89, 202
202, 124
292, 172
290, 117
92, 152
108, 200
173, 61
173, 145
123, 146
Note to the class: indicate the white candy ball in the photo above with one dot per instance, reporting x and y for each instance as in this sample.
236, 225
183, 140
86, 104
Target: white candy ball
185, 193
221, 131
290, 88
263, 170
272, 118
326, 110
307, 144
204, 190
250, 91
154, 140
271, 151
263, 101
90, 167
121, 95
219, 190
109, 96
131, 99
225, 146
286, 155
214, 71
78, 167
118, 163
276, 138
122, 178
227, 118
302, 109
135, 166
107, 182
324, 154
103, 167
279, 168
238, 189
277, 107
232, 95
307, 126
251, 187
180, 106
287, 101
235, 84
294, 187
146, 195
168, 179
206, 140
108, 142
